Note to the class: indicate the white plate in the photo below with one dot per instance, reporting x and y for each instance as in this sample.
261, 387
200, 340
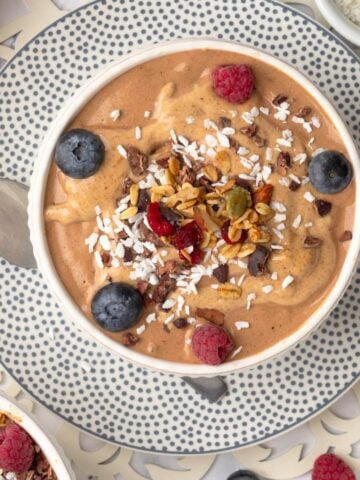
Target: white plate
112, 398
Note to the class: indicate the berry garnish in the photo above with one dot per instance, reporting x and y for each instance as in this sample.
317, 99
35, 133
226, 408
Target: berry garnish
79, 153
17, 449
331, 467
243, 475
188, 235
158, 223
225, 234
330, 171
211, 344
117, 306
233, 82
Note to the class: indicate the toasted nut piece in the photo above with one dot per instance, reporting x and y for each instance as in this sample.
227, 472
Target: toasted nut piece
188, 213
211, 172
223, 161
213, 242
164, 190
228, 290
128, 213
186, 205
212, 196
246, 250
228, 186
155, 197
206, 239
263, 194
169, 178
163, 152
263, 208
4, 420
254, 234
245, 216
186, 185
174, 166
207, 221
183, 195
253, 216
212, 315
230, 251
134, 194
234, 233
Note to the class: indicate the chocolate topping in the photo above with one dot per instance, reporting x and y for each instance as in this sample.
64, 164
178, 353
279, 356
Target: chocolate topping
322, 207
221, 273
257, 261
138, 161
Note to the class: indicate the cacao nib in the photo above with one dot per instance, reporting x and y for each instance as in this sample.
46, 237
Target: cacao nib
138, 161
187, 175
163, 288
234, 144
294, 185
303, 112
128, 255
283, 163
322, 207
245, 184
129, 339
259, 141
212, 315
163, 162
180, 322
221, 273
143, 201
126, 184
279, 99
170, 266
170, 215
142, 286
147, 235
312, 242
224, 122
249, 131
258, 260
345, 236
106, 259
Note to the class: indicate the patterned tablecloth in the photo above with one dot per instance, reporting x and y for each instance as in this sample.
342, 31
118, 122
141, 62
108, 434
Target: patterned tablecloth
289, 456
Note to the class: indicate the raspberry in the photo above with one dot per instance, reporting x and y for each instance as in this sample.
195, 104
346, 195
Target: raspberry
196, 256
233, 82
188, 235
16, 449
157, 221
211, 344
331, 467
225, 236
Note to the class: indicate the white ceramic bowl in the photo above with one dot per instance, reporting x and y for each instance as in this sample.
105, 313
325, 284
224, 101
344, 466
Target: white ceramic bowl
339, 21
36, 205
59, 463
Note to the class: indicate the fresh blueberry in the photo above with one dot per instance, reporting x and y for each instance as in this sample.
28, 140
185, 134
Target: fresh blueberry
243, 475
79, 153
117, 306
330, 171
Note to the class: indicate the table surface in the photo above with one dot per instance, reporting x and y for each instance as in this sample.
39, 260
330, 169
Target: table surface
224, 464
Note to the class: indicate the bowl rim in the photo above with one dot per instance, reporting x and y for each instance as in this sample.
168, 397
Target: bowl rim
49, 446
339, 21
37, 225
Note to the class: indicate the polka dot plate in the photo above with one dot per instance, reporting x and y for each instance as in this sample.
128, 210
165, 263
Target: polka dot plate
68, 372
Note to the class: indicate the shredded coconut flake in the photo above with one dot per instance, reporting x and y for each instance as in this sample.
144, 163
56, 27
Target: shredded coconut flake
236, 352
122, 151
115, 114
287, 281
267, 289
309, 197
240, 325
297, 221
147, 114
140, 329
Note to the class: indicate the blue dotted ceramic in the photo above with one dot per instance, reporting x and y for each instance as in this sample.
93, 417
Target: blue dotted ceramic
73, 376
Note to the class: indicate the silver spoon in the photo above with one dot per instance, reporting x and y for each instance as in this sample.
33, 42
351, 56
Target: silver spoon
16, 248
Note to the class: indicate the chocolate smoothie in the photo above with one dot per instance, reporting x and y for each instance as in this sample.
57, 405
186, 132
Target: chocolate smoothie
262, 247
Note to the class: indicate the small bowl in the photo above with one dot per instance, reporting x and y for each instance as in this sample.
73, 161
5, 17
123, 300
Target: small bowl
339, 21
37, 193
54, 454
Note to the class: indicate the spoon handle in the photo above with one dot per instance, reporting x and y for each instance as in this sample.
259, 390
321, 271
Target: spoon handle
210, 388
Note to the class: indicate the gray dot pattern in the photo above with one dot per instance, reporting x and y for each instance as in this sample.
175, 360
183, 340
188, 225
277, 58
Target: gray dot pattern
116, 400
